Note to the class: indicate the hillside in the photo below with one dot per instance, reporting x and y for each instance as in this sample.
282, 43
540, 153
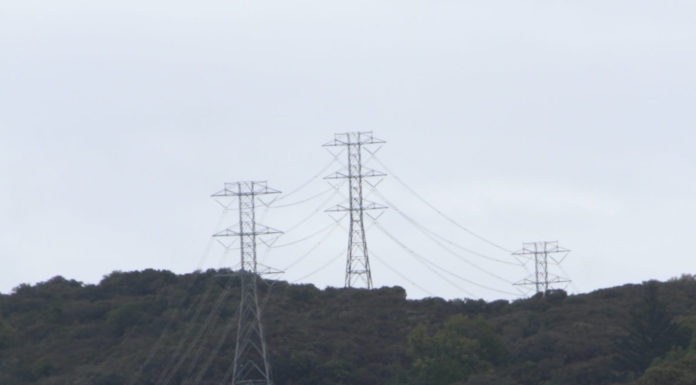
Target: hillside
154, 327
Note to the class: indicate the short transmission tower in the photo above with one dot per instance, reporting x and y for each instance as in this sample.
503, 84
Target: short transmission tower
543, 254
251, 365
357, 262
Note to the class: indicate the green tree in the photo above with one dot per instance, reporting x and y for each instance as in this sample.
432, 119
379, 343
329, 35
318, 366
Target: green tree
649, 333
124, 317
463, 347
678, 367
677, 372
7, 333
487, 379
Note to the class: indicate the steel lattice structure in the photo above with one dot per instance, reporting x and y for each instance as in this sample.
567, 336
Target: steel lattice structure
357, 261
251, 364
543, 254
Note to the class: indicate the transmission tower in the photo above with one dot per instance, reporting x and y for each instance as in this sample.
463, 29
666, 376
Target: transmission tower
357, 260
251, 365
543, 254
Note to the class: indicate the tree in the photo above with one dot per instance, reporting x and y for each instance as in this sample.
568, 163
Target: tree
488, 379
649, 333
7, 333
678, 372
463, 347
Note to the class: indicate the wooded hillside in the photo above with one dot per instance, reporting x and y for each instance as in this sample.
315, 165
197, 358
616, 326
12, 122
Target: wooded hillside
154, 327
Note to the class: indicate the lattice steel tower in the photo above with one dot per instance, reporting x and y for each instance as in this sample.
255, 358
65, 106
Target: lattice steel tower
251, 364
542, 253
357, 262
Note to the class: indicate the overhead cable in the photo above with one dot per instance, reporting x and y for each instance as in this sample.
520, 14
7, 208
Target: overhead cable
300, 201
319, 208
405, 278
156, 346
424, 261
168, 374
319, 174
322, 267
221, 341
428, 262
432, 236
426, 230
572, 283
448, 218
314, 234
312, 249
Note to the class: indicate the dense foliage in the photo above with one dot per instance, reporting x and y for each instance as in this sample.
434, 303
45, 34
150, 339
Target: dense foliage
154, 327
650, 333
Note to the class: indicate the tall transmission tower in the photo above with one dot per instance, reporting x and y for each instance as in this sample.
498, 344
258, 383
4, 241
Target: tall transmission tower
543, 254
251, 364
358, 272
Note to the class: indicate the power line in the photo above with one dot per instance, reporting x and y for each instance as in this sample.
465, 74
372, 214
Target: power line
322, 267
199, 304
314, 212
431, 236
300, 201
200, 348
405, 278
262, 306
312, 235
572, 283
167, 375
310, 180
425, 262
221, 340
156, 346
330, 227
423, 259
448, 218
311, 250
427, 231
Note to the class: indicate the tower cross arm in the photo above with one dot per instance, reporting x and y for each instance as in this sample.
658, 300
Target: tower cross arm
354, 138
369, 173
364, 207
260, 230
245, 189
529, 282
557, 249
524, 251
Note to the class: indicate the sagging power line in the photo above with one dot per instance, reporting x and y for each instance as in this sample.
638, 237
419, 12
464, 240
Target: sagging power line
438, 211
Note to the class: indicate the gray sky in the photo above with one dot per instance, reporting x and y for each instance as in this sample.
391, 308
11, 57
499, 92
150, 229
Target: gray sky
523, 121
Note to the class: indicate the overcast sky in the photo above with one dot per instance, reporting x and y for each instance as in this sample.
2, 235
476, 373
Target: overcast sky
522, 121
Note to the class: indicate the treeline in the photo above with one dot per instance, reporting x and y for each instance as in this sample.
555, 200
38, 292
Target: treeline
154, 328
